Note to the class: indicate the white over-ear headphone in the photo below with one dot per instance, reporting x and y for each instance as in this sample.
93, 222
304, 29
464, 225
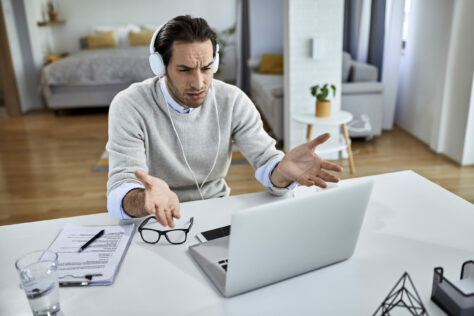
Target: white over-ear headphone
156, 60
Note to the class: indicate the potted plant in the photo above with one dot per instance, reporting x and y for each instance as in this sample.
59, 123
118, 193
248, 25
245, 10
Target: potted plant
323, 105
52, 12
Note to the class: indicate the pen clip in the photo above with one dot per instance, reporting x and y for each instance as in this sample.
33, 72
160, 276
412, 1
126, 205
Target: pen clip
74, 283
86, 282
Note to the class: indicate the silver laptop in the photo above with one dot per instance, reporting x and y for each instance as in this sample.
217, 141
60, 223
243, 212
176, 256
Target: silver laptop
279, 240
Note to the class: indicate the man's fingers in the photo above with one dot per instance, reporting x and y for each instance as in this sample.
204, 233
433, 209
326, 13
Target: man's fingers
304, 180
143, 177
307, 183
312, 180
169, 218
161, 217
319, 140
328, 177
331, 166
175, 211
318, 182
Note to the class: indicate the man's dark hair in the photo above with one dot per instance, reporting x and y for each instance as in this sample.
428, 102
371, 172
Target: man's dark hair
183, 28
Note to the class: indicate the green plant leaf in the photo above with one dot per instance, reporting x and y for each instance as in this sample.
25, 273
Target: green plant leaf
314, 90
333, 90
323, 95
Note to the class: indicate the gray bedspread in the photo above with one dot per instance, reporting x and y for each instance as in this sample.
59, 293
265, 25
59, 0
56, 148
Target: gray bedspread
99, 66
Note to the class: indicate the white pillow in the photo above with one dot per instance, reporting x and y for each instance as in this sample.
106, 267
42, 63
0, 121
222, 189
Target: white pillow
149, 27
253, 63
121, 33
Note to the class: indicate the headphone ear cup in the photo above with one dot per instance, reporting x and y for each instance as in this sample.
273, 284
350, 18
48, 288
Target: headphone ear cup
215, 65
157, 65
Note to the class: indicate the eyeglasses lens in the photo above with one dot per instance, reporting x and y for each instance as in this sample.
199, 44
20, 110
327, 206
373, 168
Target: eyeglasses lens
176, 236
150, 236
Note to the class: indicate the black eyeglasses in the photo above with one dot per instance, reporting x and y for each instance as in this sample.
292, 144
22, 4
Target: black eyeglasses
174, 236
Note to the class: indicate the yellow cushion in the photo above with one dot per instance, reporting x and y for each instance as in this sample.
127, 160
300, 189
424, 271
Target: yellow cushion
140, 38
101, 40
52, 57
271, 64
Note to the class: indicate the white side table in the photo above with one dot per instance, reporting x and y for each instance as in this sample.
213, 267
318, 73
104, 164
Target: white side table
337, 118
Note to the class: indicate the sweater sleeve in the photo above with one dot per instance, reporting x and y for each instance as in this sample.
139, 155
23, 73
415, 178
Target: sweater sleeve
251, 139
126, 144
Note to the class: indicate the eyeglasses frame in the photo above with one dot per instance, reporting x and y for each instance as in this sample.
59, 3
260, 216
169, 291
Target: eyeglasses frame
164, 232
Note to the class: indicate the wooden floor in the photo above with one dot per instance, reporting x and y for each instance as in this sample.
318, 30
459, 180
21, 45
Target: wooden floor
46, 165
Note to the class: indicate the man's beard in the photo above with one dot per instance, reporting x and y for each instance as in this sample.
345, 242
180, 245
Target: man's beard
175, 94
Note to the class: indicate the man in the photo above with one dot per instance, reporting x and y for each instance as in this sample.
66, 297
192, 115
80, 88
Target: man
170, 138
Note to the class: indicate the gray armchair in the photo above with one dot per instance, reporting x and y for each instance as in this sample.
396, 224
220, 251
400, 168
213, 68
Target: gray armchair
362, 95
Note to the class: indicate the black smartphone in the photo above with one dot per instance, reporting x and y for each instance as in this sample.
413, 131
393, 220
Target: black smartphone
213, 233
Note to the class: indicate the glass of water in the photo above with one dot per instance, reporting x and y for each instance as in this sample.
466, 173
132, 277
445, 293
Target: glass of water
39, 279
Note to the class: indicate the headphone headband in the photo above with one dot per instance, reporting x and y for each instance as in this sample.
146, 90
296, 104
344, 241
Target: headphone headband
156, 60
153, 39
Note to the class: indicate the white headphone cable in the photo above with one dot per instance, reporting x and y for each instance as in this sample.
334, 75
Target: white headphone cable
184, 155
218, 141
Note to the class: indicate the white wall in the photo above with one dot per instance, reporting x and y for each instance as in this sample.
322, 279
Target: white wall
26, 76
266, 27
15, 51
436, 76
454, 113
391, 61
304, 20
468, 151
423, 67
363, 8
44, 38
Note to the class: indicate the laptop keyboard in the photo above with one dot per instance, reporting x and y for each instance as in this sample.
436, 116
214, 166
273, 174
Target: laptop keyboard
223, 264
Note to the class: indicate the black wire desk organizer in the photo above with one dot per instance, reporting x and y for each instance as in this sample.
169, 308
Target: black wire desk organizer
454, 300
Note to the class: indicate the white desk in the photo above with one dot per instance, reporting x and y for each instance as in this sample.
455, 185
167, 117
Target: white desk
411, 225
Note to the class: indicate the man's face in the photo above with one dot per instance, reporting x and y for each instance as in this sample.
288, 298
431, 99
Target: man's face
189, 72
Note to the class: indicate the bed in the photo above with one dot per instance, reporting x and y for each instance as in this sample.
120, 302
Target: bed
93, 77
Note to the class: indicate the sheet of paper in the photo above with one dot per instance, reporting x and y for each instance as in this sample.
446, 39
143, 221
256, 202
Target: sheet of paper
103, 256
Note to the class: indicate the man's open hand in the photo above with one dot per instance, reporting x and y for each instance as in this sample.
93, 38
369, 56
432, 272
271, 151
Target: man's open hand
159, 199
302, 165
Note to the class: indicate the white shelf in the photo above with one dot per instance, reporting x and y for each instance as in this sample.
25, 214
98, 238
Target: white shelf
327, 148
49, 23
337, 118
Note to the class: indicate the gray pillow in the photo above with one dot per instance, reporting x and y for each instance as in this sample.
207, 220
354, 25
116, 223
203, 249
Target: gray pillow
277, 92
346, 66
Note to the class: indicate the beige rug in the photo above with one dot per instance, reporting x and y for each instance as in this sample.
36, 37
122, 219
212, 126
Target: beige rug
103, 163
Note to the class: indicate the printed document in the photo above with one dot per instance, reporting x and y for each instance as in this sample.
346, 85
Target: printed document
99, 262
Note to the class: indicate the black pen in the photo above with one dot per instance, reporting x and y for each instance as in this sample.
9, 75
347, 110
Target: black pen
91, 240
